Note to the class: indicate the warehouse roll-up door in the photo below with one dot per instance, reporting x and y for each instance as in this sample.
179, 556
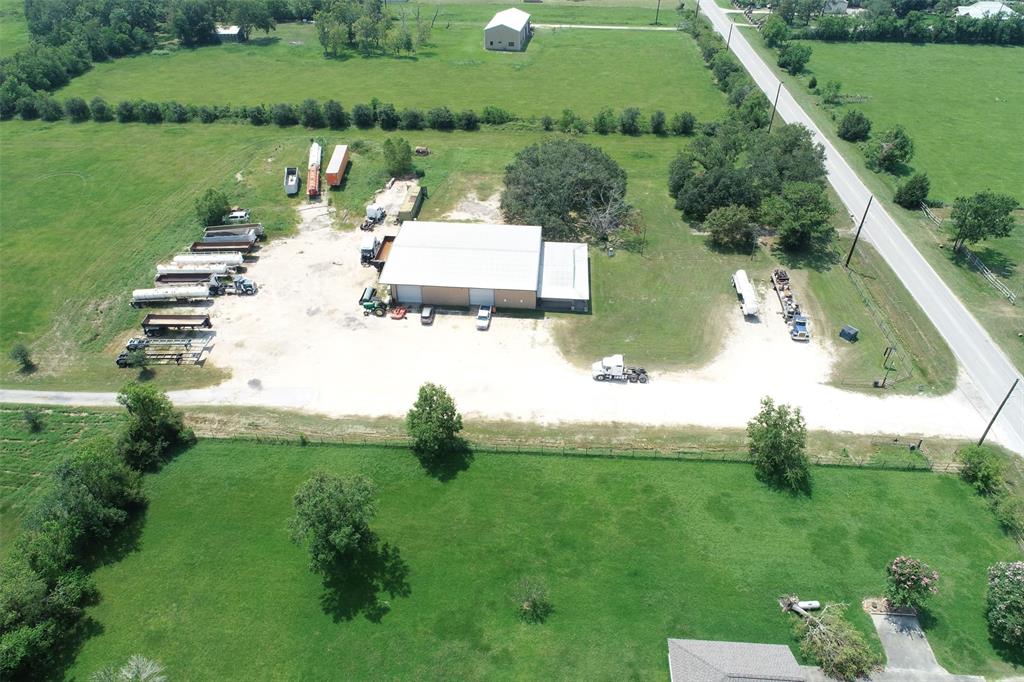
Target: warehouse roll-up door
408, 293
481, 296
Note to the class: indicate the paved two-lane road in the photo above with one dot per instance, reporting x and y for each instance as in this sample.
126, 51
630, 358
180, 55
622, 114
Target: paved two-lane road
990, 372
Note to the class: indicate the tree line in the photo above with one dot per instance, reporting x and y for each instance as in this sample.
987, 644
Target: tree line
917, 28
94, 494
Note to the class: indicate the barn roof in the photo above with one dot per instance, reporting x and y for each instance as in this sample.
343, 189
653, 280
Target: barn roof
698, 660
983, 9
512, 17
565, 271
470, 255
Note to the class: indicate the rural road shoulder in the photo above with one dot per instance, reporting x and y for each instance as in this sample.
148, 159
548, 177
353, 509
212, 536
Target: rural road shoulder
987, 367
604, 27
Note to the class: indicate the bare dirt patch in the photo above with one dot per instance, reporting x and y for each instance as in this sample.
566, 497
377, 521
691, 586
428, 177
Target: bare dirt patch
471, 208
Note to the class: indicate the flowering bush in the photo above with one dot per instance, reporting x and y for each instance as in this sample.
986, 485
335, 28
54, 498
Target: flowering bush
1006, 603
911, 582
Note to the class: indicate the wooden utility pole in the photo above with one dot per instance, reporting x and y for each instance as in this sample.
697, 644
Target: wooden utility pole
998, 410
857, 236
657, 13
776, 104
729, 39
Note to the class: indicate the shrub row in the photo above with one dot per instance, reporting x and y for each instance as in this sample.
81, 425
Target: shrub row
331, 114
917, 28
984, 469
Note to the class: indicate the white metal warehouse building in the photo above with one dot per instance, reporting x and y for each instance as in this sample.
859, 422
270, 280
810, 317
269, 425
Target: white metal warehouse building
471, 264
508, 31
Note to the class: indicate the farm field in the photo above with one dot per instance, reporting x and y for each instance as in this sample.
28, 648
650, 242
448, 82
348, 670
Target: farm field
581, 69
962, 154
633, 552
149, 217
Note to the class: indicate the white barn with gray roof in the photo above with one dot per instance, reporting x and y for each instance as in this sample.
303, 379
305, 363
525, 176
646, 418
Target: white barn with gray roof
471, 264
508, 31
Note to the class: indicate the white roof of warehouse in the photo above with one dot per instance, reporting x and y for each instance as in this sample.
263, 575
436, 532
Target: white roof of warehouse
471, 255
512, 17
565, 271
985, 8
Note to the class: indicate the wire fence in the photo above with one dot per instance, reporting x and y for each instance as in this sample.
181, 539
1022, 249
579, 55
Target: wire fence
895, 453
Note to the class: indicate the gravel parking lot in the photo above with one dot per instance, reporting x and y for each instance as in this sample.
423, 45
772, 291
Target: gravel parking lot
304, 343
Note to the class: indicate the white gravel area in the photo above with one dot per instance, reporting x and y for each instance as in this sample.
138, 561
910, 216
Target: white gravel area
304, 343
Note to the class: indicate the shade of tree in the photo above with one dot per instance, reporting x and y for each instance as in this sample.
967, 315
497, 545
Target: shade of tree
777, 442
154, 430
985, 215
1005, 603
890, 150
556, 184
21, 355
800, 215
913, 192
332, 518
793, 57
731, 227
397, 157
434, 423
854, 126
211, 207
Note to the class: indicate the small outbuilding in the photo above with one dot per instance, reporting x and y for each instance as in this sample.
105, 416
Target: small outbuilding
508, 31
230, 34
985, 9
472, 264
699, 660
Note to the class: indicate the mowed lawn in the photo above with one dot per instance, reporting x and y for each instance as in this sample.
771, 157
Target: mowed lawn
580, 69
961, 105
634, 552
13, 29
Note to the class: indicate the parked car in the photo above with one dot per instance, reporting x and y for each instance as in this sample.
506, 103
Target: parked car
483, 318
427, 315
237, 216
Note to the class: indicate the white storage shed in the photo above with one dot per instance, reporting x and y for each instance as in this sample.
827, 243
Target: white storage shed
508, 31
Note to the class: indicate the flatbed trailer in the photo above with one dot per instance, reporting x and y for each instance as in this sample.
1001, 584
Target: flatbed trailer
154, 325
218, 238
234, 245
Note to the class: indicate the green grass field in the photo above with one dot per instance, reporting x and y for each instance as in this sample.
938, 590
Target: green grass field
633, 552
964, 150
13, 29
28, 458
584, 70
119, 213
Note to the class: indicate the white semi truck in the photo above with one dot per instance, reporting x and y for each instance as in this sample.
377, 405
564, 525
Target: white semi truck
614, 368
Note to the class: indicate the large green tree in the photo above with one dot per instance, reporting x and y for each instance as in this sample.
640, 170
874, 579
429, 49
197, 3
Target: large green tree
985, 215
154, 430
800, 215
211, 207
332, 519
777, 439
556, 184
434, 423
890, 150
731, 227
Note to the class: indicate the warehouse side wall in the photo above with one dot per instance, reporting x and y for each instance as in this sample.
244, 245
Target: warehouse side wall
454, 296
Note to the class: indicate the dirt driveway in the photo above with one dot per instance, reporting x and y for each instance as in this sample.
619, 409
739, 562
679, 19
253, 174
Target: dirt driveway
304, 343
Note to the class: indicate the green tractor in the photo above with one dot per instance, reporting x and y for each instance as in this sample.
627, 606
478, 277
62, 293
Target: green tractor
373, 304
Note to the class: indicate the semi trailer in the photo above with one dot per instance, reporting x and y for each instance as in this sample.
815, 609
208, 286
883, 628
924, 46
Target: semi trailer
172, 294
337, 165
196, 269
249, 238
236, 245
155, 325
181, 278
238, 228
232, 259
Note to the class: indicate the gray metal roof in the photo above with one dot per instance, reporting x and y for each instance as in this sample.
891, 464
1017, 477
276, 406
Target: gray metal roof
513, 18
471, 255
698, 660
565, 271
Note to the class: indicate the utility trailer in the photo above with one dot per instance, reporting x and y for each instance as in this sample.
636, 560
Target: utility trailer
155, 325
231, 259
145, 343
745, 293
780, 282
313, 174
170, 294
239, 246
163, 356
235, 228
291, 181
614, 368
